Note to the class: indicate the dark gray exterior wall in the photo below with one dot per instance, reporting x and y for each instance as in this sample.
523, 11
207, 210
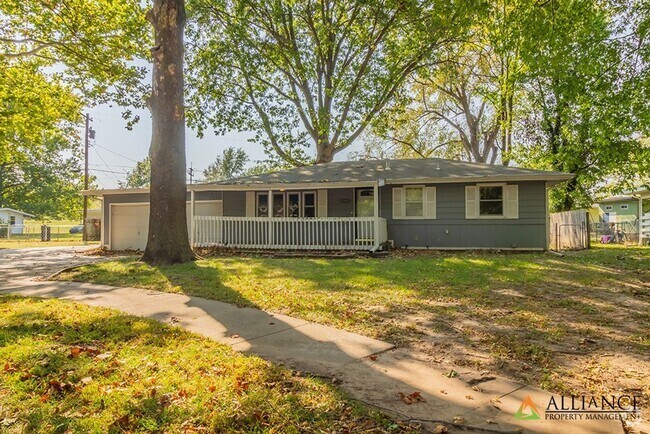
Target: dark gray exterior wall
234, 203
340, 202
450, 229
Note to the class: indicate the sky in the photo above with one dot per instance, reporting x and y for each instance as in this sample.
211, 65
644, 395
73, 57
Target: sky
115, 149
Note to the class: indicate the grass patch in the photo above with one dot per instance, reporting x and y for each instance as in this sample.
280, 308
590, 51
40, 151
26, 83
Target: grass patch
67, 367
524, 312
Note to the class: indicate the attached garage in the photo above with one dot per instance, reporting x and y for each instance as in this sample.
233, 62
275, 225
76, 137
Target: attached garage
129, 222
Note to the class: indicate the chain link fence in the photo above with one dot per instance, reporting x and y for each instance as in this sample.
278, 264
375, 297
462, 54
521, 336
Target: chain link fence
48, 232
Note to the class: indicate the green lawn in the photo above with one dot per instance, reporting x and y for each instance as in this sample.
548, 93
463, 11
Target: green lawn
67, 367
550, 321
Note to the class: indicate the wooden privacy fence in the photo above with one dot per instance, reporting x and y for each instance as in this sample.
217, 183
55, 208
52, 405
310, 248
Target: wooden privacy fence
569, 230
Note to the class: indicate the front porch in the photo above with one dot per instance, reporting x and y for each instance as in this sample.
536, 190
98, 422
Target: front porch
295, 218
293, 233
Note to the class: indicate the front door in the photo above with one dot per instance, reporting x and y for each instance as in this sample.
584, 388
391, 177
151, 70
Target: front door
365, 202
364, 207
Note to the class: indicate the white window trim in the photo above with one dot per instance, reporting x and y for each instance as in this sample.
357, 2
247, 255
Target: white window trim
302, 203
285, 194
503, 201
414, 217
424, 215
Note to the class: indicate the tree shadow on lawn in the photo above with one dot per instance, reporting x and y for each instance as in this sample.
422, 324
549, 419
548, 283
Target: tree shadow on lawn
532, 308
128, 355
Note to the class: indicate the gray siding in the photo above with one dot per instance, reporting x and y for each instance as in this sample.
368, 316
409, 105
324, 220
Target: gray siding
451, 230
340, 202
234, 204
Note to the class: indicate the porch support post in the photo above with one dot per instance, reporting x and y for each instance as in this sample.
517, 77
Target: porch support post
376, 206
640, 220
270, 224
192, 224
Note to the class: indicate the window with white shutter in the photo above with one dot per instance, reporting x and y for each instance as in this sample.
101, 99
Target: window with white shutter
471, 202
511, 194
430, 199
398, 203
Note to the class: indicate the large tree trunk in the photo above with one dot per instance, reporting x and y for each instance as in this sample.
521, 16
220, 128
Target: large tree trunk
167, 242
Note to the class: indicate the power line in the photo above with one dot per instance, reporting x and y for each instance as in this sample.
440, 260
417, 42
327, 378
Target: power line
113, 152
106, 164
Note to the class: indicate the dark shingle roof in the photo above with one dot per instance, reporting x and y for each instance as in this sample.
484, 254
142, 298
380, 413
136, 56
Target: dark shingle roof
392, 170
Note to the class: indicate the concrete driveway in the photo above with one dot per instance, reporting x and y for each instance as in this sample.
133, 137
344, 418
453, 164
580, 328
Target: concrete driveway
41, 261
368, 369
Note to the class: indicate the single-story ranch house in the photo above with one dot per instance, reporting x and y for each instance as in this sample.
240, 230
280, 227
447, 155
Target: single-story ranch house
424, 203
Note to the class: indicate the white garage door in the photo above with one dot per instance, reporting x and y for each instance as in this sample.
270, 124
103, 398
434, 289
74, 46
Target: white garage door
129, 226
130, 223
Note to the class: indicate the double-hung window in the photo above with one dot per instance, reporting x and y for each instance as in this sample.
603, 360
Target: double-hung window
491, 201
414, 202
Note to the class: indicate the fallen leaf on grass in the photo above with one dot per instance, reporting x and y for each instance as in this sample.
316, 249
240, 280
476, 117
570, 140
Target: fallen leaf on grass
9, 368
104, 356
458, 420
440, 429
411, 398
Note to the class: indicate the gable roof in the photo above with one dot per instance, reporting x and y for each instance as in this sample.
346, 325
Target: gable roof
396, 171
17, 212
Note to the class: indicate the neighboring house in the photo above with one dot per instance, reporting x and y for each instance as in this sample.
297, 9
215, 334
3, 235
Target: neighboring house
616, 209
629, 212
425, 203
14, 218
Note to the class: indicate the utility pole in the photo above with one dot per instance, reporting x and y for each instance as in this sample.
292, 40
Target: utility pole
190, 172
85, 215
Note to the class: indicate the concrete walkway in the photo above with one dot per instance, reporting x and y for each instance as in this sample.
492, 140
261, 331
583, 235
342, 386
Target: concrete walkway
366, 368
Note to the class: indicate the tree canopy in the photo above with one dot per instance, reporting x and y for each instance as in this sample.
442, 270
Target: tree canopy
40, 159
310, 72
139, 176
230, 164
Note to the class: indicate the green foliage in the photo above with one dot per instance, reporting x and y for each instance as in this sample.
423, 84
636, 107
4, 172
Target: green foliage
139, 176
94, 42
310, 73
40, 161
230, 164
588, 88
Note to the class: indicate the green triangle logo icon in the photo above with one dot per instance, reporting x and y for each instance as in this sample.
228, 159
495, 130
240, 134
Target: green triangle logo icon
527, 410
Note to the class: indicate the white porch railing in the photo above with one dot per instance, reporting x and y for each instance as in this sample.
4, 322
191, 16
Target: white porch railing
322, 233
644, 226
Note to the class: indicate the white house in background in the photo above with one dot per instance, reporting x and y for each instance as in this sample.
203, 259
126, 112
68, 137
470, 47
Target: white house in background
14, 218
